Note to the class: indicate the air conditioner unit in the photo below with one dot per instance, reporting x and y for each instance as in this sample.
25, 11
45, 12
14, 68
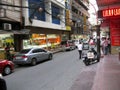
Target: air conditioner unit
7, 26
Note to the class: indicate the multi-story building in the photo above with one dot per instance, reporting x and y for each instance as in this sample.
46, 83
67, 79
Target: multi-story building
80, 15
10, 23
43, 23
46, 21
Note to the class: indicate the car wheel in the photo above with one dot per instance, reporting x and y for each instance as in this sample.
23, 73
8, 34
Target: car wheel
87, 63
50, 57
98, 60
7, 70
71, 49
33, 62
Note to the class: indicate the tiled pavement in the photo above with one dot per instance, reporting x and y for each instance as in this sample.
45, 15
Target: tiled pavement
108, 74
104, 75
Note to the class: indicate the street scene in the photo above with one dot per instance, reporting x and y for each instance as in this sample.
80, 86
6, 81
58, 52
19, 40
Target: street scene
59, 45
56, 74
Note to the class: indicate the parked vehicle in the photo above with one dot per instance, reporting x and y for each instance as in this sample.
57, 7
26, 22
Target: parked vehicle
68, 45
85, 46
91, 57
3, 85
6, 67
32, 56
76, 42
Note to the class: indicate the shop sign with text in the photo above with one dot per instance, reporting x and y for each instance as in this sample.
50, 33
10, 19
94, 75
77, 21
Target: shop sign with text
111, 12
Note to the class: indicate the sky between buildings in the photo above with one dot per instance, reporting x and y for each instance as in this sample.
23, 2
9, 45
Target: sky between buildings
93, 12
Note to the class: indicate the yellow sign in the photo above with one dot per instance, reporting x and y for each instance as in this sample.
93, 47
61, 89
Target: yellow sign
85, 28
84, 19
68, 28
68, 17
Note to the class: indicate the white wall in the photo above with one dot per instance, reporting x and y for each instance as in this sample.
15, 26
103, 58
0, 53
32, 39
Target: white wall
12, 13
37, 23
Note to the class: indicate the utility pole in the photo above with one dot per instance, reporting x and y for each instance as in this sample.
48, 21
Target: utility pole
98, 39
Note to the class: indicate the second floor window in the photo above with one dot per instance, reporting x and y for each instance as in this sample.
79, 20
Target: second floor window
55, 13
34, 12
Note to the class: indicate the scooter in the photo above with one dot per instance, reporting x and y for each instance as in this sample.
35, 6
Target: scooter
91, 57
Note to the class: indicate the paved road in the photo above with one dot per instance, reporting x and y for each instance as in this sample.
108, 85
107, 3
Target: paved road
85, 79
57, 74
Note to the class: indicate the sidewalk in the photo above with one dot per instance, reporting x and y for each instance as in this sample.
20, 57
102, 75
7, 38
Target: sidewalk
104, 75
56, 50
108, 74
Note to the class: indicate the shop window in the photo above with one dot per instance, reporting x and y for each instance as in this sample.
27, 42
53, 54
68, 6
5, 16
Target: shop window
42, 40
55, 13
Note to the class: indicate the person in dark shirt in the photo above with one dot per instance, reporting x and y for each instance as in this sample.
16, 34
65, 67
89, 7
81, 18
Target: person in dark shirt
3, 85
7, 52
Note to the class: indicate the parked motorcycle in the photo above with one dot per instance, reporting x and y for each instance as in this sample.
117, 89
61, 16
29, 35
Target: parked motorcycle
91, 57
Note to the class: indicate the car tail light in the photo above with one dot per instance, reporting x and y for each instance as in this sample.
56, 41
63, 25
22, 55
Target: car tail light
24, 56
14, 56
67, 45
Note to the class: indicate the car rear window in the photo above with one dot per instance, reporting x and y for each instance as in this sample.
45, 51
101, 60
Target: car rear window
70, 41
25, 50
63, 42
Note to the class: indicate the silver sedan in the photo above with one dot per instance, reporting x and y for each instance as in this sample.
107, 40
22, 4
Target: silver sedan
32, 56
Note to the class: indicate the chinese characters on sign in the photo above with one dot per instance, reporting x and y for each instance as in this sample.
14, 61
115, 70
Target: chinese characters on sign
111, 12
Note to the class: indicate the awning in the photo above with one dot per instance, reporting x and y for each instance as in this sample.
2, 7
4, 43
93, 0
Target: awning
22, 31
102, 3
105, 24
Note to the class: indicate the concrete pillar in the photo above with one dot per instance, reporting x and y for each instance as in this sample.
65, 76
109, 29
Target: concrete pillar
98, 38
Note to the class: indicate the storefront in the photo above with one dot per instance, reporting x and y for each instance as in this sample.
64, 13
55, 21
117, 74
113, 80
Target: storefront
111, 23
6, 39
45, 37
42, 40
7, 30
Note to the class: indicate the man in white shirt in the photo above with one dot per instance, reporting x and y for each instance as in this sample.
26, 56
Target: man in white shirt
80, 47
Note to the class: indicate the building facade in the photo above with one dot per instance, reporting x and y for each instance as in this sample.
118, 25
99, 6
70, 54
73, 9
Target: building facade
46, 21
80, 15
109, 16
41, 23
10, 23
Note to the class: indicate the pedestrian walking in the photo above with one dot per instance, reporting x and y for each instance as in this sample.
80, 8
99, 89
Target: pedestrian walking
105, 46
109, 46
80, 48
102, 46
7, 52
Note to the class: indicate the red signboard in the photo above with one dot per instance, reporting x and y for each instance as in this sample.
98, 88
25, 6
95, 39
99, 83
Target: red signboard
111, 12
115, 32
115, 37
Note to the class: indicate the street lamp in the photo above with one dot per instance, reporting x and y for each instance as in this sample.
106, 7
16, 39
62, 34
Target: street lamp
98, 29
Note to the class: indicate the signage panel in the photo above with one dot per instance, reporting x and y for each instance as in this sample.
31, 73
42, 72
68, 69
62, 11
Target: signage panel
111, 12
115, 32
115, 37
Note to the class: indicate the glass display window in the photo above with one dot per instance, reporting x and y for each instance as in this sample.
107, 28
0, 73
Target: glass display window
42, 40
6, 39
